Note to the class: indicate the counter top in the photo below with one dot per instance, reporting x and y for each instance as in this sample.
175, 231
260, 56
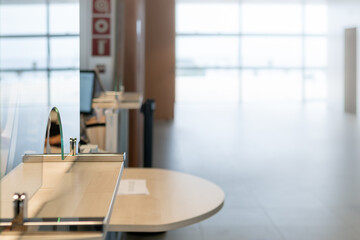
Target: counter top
80, 189
175, 200
85, 189
126, 100
77, 189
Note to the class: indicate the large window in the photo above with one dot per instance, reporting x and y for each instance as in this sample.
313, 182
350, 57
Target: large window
39, 39
251, 50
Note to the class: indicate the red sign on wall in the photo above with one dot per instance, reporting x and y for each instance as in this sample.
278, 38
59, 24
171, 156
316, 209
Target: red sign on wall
101, 6
101, 47
101, 26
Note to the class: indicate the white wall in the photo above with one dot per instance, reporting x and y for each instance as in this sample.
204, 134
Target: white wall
342, 14
88, 62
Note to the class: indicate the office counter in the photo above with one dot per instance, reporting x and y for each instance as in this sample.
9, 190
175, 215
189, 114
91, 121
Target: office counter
70, 189
176, 200
126, 100
87, 189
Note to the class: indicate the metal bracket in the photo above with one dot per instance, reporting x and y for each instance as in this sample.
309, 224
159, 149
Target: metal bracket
20, 212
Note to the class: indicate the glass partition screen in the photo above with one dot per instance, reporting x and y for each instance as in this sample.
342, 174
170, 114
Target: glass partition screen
39, 69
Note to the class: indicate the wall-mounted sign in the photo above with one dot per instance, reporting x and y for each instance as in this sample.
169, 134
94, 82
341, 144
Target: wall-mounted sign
101, 47
101, 6
101, 28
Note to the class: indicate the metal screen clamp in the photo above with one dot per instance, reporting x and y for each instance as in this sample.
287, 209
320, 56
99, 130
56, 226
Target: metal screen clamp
73, 146
20, 212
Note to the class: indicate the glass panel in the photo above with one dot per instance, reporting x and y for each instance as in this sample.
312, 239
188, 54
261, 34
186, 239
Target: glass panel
207, 86
214, 17
316, 18
64, 88
65, 95
65, 52
271, 85
32, 85
64, 17
315, 52
207, 51
271, 18
21, 19
271, 51
24, 102
28, 53
315, 85
54, 141
23, 116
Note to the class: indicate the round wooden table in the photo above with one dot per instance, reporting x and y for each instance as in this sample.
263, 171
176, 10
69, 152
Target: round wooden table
175, 200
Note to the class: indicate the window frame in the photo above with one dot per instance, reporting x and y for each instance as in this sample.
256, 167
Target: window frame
47, 36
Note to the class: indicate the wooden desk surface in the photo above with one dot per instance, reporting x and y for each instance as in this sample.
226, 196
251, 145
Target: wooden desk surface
127, 101
81, 189
69, 189
84, 189
176, 200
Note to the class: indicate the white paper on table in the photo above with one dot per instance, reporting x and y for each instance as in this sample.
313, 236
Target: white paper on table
133, 187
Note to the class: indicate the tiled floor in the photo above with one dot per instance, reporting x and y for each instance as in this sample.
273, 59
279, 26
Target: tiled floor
288, 171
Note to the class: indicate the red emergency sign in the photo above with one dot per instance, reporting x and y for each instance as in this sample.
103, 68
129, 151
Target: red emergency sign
101, 6
101, 26
101, 47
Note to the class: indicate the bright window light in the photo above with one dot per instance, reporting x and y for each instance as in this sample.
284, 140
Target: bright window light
316, 19
207, 86
207, 17
30, 53
271, 51
246, 51
207, 51
271, 18
315, 52
65, 52
20, 19
62, 15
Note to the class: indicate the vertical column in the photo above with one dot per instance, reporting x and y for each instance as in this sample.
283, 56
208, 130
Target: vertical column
160, 56
350, 69
133, 64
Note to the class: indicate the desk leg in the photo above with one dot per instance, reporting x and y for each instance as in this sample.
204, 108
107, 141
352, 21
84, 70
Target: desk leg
117, 131
123, 145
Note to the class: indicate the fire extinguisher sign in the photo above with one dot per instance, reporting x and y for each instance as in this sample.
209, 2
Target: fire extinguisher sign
101, 28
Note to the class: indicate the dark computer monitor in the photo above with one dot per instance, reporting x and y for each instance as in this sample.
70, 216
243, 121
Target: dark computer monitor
87, 83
